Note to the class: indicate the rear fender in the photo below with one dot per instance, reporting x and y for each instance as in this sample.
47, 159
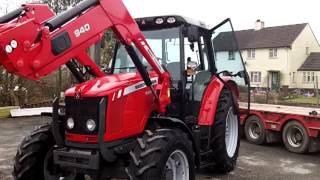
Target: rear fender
211, 98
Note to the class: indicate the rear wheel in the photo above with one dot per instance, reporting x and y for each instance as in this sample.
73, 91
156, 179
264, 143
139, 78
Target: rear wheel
34, 159
295, 137
225, 139
254, 130
163, 154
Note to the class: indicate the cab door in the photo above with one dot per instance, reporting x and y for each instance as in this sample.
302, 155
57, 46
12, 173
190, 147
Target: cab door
228, 60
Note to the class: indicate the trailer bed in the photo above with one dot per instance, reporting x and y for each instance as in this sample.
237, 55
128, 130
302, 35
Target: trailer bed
297, 127
272, 108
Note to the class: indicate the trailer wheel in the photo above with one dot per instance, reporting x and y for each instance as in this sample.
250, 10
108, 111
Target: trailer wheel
295, 137
254, 130
34, 157
162, 154
225, 138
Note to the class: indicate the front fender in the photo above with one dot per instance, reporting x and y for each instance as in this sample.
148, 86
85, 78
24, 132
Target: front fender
211, 97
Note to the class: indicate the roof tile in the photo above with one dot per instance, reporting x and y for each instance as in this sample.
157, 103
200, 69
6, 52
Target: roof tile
312, 63
269, 37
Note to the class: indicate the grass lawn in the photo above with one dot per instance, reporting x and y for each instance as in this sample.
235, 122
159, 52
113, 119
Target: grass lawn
5, 111
302, 100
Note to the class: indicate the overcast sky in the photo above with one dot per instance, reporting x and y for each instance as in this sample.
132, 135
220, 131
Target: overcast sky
243, 13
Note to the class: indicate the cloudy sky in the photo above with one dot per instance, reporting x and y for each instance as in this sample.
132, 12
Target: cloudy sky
243, 13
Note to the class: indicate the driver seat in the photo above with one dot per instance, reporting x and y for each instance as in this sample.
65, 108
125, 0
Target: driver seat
200, 83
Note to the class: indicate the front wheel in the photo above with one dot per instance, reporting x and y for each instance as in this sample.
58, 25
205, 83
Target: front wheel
163, 154
225, 138
34, 159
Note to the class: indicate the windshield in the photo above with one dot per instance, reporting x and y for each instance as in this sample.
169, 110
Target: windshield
124, 63
166, 46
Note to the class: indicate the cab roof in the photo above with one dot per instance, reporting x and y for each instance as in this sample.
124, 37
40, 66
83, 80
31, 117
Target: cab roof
167, 21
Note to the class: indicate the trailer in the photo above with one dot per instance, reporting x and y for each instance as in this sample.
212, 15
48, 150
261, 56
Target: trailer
297, 127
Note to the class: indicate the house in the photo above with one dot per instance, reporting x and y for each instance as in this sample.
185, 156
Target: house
277, 57
309, 71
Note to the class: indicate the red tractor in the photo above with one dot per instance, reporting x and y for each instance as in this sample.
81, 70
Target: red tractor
166, 105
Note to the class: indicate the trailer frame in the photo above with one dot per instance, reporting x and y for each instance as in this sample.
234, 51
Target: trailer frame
275, 118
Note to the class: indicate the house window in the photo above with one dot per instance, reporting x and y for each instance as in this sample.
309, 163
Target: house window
273, 53
308, 77
307, 51
251, 53
293, 77
231, 55
255, 77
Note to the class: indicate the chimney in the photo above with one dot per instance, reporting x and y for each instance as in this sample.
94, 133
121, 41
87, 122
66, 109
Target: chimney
258, 25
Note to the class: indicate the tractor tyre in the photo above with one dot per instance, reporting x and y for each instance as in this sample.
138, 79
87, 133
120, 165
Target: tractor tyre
225, 134
161, 153
34, 159
255, 131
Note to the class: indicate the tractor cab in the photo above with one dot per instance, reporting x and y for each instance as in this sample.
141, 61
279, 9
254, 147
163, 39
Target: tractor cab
193, 54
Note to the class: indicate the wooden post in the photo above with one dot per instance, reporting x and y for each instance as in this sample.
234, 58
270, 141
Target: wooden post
59, 83
317, 90
268, 86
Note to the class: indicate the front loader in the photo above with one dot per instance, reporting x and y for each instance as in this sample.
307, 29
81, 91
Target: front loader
165, 105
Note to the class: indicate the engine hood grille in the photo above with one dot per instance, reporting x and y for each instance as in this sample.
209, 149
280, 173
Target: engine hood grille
82, 110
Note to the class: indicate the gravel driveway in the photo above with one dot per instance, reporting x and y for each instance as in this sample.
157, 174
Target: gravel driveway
254, 162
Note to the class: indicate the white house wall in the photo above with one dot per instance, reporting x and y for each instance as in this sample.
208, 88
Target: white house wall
288, 61
298, 56
262, 63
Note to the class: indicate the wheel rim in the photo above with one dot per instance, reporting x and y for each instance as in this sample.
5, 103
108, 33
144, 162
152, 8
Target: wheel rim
177, 166
295, 137
231, 134
254, 130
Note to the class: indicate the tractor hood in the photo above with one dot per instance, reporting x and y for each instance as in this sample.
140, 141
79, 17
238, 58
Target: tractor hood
104, 86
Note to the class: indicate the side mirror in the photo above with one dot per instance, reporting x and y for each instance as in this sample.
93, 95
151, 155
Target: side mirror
193, 34
241, 74
245, 76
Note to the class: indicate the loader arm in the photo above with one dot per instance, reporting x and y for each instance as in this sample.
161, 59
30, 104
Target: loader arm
34, 42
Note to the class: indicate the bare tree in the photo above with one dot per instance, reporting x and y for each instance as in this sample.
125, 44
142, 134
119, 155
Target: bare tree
17, 91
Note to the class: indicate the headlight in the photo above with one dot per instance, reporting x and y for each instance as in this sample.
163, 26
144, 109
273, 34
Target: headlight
14, 44
9, 49
70, 123
91, 125
171, 20
159, 21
